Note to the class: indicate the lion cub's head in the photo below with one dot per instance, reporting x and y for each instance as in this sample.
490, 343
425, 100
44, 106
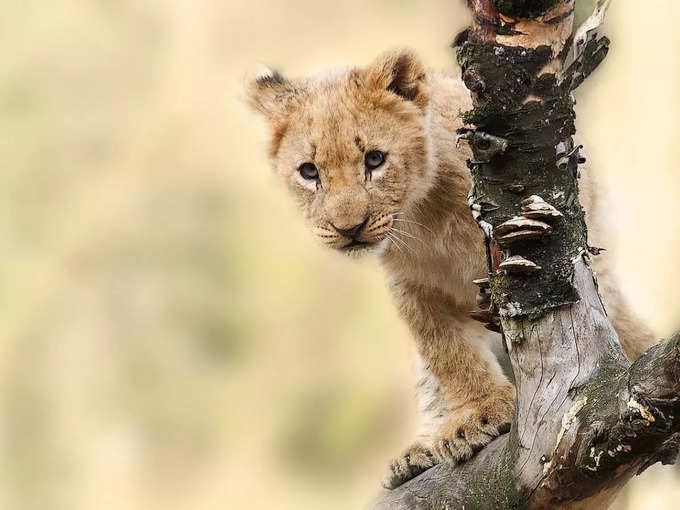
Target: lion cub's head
351, 147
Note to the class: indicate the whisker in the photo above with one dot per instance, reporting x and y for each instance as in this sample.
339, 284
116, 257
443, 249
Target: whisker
394, 243
399, 216
403, 243
407, 234
398, 242
403, 220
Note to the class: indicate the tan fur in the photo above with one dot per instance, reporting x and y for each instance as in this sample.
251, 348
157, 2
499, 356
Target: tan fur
417, 219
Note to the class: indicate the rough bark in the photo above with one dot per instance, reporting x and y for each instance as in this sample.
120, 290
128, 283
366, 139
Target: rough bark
582, 450
586, 420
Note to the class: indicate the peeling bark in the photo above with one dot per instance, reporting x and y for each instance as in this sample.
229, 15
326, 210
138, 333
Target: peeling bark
586, 420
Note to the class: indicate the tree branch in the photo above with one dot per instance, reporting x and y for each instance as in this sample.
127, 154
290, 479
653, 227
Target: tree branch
610, 433
586, 420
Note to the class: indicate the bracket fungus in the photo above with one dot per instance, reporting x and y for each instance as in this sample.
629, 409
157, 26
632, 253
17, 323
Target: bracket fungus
519, 265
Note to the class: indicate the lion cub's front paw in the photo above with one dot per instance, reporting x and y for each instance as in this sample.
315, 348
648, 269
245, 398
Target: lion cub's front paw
474, 426
416, 460
467, 431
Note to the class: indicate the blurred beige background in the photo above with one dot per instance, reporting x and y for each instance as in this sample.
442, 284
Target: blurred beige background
165, 314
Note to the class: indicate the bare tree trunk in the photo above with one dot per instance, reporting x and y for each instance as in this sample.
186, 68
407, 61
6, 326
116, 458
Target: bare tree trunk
586, 420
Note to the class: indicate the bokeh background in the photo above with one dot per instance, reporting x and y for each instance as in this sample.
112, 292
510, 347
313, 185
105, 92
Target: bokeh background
171, 335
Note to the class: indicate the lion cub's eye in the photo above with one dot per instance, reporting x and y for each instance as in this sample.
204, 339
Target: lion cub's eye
374, 159
309, 171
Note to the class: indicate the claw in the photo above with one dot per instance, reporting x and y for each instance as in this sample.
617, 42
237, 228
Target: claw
415, 461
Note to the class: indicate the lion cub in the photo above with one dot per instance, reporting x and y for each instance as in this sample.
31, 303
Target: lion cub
370, 156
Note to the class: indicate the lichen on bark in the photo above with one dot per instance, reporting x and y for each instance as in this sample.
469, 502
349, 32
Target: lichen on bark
535, 115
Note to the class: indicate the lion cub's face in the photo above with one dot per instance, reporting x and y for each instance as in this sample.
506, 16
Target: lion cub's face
351, 147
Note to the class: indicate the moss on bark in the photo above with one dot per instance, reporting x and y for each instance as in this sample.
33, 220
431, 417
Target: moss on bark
499, 488
540, 156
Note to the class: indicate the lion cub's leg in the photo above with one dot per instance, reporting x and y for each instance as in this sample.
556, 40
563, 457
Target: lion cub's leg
454, 435
465, 399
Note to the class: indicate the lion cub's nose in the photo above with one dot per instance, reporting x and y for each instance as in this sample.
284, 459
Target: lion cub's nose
351, 232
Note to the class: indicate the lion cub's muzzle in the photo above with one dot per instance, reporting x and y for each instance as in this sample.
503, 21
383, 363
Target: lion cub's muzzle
362, 237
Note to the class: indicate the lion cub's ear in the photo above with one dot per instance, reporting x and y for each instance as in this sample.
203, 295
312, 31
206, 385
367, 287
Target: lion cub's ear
401, 73
270, 93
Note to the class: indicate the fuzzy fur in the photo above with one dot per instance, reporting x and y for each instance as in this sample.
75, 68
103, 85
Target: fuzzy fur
418, 221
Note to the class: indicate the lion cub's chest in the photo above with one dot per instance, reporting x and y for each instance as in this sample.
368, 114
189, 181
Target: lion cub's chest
447, 260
